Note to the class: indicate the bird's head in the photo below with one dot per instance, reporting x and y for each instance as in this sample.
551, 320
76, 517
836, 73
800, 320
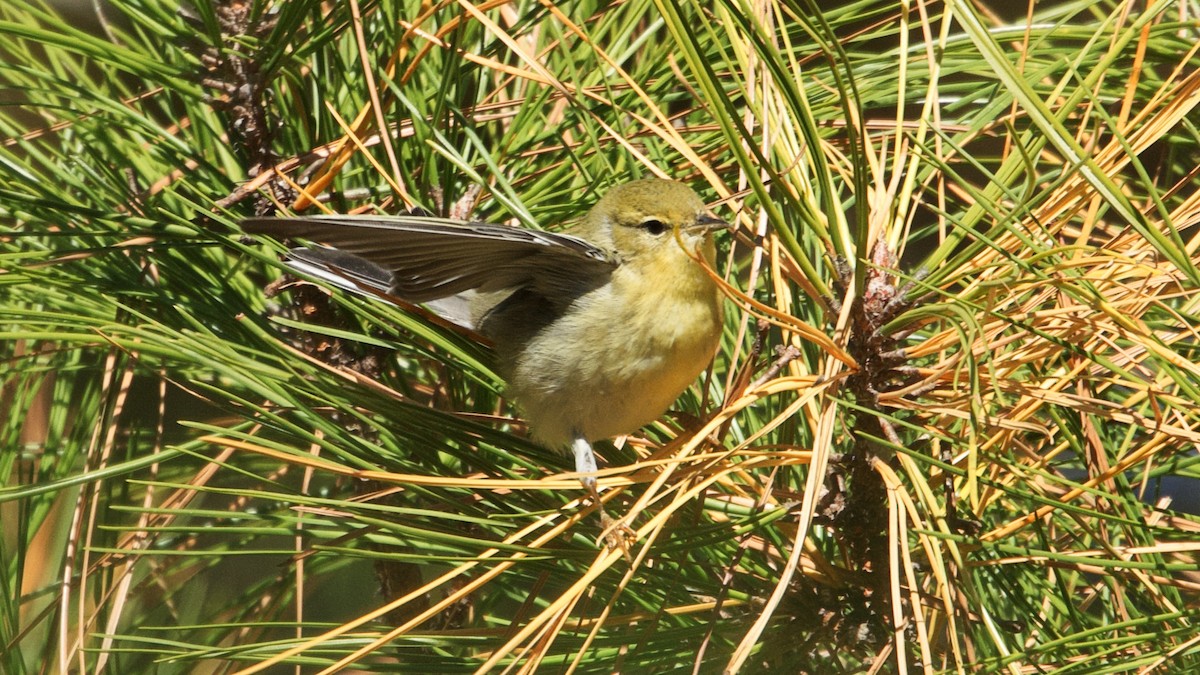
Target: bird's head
647, 220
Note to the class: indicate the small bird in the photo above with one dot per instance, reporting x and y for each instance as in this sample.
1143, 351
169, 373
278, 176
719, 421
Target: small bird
596, 331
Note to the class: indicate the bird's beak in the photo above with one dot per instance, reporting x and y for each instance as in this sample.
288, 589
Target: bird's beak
707, 224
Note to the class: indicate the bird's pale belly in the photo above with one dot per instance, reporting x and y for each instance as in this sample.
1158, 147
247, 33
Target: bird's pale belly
599, 381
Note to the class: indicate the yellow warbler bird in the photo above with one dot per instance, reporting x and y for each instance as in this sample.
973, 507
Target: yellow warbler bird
597, 331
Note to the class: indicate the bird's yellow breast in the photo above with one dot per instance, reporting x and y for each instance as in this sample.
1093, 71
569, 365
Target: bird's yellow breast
621, 354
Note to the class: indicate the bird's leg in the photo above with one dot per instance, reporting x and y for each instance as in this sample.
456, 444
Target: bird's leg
585, 463
615, 533
585, 466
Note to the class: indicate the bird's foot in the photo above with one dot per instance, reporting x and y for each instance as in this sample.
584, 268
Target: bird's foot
616, 535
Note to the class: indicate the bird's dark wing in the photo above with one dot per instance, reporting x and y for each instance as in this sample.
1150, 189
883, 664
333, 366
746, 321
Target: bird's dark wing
431, 258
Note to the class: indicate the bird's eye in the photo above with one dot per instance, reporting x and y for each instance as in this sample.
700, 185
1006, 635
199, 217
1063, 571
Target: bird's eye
654, 226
